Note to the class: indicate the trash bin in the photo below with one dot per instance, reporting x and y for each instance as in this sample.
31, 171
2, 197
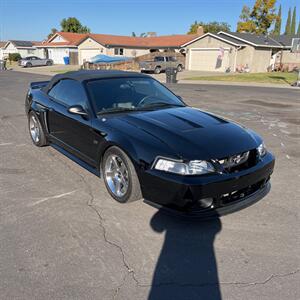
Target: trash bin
2, 65
171, 74
67, 60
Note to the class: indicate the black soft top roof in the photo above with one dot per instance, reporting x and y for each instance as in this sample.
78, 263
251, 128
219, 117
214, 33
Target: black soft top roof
85, 75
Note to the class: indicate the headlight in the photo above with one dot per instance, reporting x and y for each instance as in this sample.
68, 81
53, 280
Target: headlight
194, 167
262, 150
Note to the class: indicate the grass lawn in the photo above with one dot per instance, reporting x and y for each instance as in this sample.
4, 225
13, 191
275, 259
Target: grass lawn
11, 64
275, 77
63, 71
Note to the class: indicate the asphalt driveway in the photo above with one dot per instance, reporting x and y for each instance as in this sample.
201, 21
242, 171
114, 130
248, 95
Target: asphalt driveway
63, 237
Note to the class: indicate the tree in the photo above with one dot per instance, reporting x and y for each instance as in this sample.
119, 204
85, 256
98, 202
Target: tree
293, 26
277, 29
213, 27
73, 25
144, 34
298, 31
246, 24
288, 24
260, 19
53, 31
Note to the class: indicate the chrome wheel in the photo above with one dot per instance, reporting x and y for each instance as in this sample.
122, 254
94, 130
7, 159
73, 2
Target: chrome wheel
116, 175
34, 129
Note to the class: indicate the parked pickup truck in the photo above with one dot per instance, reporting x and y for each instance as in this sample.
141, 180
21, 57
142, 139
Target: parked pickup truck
160, 63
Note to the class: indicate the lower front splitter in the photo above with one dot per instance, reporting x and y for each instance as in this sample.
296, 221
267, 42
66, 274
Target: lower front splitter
216, 212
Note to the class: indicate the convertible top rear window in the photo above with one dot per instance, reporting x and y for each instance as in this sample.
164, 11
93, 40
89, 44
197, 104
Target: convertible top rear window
129, 93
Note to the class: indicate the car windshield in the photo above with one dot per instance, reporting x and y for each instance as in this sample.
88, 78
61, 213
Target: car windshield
130, 94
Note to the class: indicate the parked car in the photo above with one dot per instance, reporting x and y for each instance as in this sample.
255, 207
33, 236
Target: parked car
34, 61
160, 63
147, 143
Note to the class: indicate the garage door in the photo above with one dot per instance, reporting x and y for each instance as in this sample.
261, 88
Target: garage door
58, 54
208, 60
87, 54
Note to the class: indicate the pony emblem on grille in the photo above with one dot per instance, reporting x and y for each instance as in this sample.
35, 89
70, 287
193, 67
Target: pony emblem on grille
234, 160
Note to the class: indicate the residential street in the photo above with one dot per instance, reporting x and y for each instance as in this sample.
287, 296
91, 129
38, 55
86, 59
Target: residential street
63, 237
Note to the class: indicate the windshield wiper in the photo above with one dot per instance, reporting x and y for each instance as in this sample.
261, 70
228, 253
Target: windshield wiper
115, 110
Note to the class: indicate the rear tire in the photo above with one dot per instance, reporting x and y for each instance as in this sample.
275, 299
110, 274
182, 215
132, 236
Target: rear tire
119, 176
48, 63
179, 68
157, 70
36, 131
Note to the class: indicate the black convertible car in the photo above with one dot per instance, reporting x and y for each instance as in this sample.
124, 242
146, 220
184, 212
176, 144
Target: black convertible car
147, 143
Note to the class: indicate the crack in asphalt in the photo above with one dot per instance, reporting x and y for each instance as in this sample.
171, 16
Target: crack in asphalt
243, 284
90, 204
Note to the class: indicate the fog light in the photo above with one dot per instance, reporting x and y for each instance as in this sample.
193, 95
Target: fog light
206, 202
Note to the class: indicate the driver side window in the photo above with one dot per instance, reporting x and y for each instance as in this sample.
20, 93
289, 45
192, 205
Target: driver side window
69, 92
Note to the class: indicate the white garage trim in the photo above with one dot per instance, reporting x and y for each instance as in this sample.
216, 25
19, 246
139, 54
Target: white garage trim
191, 50
211, 35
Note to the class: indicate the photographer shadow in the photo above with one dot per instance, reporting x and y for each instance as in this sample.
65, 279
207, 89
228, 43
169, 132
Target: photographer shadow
186, 268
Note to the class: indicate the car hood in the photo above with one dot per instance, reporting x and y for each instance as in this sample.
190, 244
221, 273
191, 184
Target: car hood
194, 134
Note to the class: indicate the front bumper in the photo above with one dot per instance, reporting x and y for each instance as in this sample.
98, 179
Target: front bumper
229, 191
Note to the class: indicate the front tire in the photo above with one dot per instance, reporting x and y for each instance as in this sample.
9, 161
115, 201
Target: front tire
119, 176
36, 131
28, 65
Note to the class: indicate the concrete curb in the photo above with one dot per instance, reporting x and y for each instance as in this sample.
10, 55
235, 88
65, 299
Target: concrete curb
251, 84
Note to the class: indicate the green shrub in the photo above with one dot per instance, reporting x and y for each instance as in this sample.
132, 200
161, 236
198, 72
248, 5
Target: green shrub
14, 56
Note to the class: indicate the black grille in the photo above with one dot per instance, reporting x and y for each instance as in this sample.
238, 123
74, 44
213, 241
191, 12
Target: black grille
227, 164
237, 195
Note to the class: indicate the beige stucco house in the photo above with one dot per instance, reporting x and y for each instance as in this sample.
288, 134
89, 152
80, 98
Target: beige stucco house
127, 46
231, 52
82, 47
288, 58
61, 45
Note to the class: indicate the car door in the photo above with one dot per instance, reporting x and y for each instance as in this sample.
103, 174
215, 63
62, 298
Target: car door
71, 131
33, 61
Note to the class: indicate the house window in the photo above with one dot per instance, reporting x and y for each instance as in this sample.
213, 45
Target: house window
296, 45
119, 51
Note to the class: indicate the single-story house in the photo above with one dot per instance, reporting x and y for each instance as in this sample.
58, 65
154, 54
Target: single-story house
2, 44
62, 44
230, 52
127, 46
289, 56
82, 47
24, 48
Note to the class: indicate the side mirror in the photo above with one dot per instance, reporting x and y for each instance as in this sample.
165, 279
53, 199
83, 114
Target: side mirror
77, 110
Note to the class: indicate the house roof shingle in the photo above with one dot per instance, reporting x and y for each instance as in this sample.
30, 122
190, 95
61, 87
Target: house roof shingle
285, 40
171, 41
21, 44
254, 39
168, 41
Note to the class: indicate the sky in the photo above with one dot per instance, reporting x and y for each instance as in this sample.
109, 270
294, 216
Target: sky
33, 19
